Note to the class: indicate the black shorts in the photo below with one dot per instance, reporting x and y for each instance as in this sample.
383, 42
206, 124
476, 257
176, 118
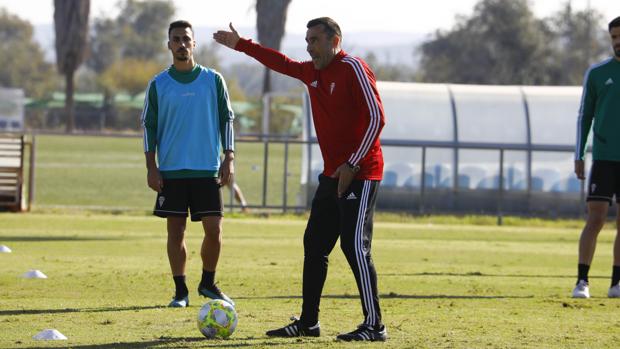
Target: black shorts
604, 181
202, 196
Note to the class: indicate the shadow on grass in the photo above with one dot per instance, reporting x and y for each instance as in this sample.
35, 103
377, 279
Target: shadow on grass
206, 343
59, 238
76, 310
479, 274
396, 296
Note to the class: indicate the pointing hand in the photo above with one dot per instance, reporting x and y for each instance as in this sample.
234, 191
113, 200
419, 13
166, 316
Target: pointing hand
227, 38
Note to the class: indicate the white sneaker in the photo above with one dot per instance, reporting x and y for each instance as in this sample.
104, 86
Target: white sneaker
581, 290
614, 292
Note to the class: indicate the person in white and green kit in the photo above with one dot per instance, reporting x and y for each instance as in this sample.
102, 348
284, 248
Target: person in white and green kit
600, 103
188, 125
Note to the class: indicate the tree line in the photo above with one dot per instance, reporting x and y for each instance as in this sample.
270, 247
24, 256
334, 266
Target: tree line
501, 42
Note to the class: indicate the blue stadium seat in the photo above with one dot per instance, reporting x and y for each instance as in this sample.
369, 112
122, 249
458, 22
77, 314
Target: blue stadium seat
547, 176
514, 179
464, 181
389, 179
399, 173
537, 184
415, 181
567, 185
573, 185
489, 183
474, 174
443, 176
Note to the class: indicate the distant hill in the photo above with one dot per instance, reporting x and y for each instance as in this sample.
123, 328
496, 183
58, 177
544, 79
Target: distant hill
395, 48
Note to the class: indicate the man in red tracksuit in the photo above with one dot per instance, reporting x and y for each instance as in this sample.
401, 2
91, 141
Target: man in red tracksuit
348, 118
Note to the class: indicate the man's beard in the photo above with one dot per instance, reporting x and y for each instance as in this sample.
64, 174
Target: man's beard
182, 56
617, 51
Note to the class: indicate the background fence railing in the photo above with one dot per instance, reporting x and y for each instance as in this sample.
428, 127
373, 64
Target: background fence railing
273, 176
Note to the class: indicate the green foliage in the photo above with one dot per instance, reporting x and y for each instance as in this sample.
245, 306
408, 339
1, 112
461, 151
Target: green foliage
106, 43
441, 286
137, 33
580, 39
503, 43
144, 25
129, 75
22, 63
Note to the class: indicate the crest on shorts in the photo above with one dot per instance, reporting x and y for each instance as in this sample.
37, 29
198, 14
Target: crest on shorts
161, 200
592, 187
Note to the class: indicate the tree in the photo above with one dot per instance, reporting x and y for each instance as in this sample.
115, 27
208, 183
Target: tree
143, 23
130, 75
22, 62
501, 43
136, 33
580, 39
270, 23
105, 44
71, 25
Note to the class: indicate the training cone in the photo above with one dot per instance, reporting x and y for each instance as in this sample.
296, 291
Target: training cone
34, 274
5, 249
50, 335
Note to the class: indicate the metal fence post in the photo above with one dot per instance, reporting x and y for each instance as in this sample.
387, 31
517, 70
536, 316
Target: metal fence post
423, 181
265, 171
285, 176
31, 170
501, 187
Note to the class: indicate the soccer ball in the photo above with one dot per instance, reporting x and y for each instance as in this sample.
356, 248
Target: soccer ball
217, 319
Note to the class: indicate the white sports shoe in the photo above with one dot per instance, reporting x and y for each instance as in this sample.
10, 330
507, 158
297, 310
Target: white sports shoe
614, 292
581, 290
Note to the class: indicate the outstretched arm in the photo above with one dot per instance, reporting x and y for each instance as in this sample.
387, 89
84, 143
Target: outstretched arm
271, 58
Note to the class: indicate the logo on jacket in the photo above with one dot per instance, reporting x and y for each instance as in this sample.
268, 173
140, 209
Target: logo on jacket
352, 196
331, 87
314, 83
609, 81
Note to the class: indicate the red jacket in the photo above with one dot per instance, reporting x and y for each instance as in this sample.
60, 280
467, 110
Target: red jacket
346, 107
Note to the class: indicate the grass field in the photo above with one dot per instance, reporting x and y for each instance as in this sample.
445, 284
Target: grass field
442, 285
445, 282
109, 173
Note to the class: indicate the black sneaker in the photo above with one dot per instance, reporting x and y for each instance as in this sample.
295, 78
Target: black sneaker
214, 292
296, 329
365, 333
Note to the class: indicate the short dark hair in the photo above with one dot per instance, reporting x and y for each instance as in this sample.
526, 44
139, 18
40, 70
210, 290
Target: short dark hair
329, 26
180, 24
614, 23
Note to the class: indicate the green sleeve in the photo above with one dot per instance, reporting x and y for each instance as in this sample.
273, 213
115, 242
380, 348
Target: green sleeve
586, 114
225, 113
149, 118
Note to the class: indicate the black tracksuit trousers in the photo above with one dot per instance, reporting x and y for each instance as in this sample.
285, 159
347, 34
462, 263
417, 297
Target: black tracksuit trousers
351, 219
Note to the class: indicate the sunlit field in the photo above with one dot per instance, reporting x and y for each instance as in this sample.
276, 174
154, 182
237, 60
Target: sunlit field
444, 282
109, 173
446, 286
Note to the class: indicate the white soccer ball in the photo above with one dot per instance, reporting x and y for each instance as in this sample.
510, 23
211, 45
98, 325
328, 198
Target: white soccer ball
217, 319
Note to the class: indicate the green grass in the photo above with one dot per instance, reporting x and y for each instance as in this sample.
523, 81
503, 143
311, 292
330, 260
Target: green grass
441, 285
109, 173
